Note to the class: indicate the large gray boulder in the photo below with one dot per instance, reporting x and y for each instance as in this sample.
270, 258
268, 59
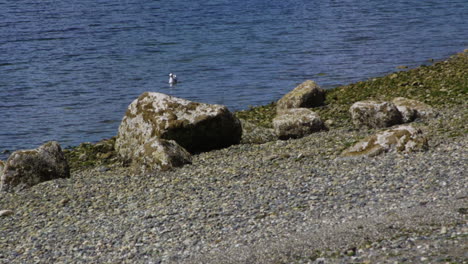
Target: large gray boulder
195, 126
413, 109
306, 95
25, 168
297, 123
160, 154
374, 114
403, 138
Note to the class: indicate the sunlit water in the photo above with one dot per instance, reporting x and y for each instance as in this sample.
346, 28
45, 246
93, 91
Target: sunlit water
69, 69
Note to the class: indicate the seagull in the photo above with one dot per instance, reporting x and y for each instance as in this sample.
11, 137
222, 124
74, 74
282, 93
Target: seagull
172, 79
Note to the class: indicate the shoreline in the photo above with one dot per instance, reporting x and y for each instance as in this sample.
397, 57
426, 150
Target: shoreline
405, 83
263, 114
281, 201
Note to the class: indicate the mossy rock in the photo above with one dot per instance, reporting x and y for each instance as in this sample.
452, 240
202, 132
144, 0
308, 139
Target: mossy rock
196, 127
25, 168
413, 109
373, 114
297, 123
308, 94
401, 139
159, 154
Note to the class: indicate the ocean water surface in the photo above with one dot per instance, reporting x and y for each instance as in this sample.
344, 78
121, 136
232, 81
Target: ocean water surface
69, 69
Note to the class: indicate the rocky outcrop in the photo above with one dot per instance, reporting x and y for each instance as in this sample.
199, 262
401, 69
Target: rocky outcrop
374, 114
308, 94
160, 154
412, 109
403, 138
296, 123
25, 168
194, 126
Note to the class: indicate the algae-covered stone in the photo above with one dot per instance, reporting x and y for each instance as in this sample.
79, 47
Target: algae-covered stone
308, 94
160, 154
194, 126
374, 114
296, 123
403, 138
25, 168
413, 109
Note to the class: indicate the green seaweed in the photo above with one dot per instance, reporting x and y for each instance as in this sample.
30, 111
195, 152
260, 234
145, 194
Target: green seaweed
88, 155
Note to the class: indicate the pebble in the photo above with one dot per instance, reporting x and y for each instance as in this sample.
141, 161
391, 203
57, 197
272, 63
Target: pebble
6, 213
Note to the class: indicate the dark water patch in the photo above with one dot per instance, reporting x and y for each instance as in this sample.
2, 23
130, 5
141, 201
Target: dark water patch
110, 121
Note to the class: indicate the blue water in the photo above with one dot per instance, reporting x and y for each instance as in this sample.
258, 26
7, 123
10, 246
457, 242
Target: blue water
69, 69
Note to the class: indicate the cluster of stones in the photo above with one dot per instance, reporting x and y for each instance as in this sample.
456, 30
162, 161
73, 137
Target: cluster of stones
403, 138
159, 132
294, 117
373, 114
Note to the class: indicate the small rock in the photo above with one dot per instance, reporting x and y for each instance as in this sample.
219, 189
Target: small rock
103, 169
374, 114
5, 213
412, 109
443, 230
160, 154
64, 201
351, 252
25, 168
297, 123
308, 94
329, 122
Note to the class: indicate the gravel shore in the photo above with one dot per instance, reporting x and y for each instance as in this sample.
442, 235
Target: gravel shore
294, 201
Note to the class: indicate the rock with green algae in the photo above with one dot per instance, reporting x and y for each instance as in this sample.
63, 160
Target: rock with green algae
195, 126
403, 138
413, 109
25, 168
306, 95
297, 123
159, 154
373, 114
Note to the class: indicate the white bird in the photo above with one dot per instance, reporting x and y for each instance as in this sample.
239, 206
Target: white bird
172, 79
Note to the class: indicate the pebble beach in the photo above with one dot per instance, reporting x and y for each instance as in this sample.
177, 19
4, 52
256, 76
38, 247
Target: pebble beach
283, 201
